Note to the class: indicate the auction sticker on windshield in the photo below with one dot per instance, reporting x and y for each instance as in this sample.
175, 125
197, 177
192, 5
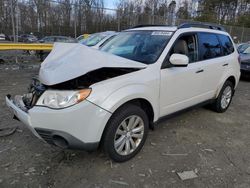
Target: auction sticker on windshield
165, 33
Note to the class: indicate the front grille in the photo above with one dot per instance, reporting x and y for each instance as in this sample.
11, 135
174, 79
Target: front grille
36, 89
46, 135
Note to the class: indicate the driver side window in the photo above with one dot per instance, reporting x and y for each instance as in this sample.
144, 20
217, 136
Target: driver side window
186, 45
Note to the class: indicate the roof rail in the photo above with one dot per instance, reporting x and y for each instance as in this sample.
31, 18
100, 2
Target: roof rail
201, 25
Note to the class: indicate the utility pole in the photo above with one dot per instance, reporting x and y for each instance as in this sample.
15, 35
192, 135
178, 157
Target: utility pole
12, 20
153, 14
171, 16
17, 21
119, 21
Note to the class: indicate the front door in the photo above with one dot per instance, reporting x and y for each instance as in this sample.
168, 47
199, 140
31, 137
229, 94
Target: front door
180, 86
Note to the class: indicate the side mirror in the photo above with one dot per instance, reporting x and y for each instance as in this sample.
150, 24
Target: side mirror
179, 60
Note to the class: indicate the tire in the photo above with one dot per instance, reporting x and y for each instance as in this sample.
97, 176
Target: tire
128, 142
224, 98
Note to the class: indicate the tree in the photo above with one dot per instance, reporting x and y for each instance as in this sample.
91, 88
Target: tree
65, 17
183, 12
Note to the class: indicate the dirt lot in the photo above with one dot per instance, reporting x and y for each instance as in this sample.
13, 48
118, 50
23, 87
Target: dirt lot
214, 145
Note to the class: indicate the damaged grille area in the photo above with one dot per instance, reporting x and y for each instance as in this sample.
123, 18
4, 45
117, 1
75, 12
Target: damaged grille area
35, 90
93, 77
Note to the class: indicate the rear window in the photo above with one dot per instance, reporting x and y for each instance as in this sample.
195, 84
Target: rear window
209, 46
226, 45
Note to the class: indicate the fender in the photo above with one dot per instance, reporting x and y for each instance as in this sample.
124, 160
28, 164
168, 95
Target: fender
130, 92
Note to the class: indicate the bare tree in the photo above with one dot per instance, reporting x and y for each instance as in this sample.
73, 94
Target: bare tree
75, 17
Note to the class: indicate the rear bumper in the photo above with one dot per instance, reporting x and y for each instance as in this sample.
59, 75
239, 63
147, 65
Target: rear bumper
77, 127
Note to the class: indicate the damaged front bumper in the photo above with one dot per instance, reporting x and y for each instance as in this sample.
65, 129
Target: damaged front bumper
20, 114
77, 127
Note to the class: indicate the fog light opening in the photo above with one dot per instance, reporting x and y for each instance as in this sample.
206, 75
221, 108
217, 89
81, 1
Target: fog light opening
60, 142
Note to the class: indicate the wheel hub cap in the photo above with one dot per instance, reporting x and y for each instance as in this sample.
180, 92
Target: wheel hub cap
129, 135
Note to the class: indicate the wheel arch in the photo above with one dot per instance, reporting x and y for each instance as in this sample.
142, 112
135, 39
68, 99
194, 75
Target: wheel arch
141, 102
145, 105
230, 78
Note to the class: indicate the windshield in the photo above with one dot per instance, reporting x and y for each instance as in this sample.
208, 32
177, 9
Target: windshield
247, 50
142, 46
92, 40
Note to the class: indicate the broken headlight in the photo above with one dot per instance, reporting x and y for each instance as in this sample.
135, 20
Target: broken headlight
62, 99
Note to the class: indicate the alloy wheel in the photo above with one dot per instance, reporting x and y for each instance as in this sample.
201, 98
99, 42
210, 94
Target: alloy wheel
226, 97
129, 135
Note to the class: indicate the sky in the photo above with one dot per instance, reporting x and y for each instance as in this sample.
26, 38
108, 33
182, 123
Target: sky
110, 3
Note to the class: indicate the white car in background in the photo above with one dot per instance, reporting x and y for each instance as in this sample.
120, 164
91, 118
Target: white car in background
85, 98
2, 36
96, 40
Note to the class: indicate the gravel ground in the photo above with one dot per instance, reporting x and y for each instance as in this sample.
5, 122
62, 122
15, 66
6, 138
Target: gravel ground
18, 56
215, 146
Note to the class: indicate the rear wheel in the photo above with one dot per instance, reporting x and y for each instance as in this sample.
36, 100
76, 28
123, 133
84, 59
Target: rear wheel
224, 99
126, 133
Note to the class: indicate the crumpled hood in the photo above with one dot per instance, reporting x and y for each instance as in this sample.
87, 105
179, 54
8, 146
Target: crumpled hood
69, 61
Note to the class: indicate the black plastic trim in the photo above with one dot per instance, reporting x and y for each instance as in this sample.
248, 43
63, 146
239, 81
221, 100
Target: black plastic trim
73, 143
174, 114
199, 71
202, 25
187, 25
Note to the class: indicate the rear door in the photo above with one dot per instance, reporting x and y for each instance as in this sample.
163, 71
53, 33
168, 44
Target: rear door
210, 54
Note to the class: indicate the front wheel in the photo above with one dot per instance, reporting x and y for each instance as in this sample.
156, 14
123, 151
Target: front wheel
224, 99
126, 133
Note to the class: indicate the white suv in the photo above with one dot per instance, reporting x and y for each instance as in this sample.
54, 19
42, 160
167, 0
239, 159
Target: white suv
85, 98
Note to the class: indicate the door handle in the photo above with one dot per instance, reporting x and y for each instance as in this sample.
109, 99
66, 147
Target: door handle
199, 71
226, 64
